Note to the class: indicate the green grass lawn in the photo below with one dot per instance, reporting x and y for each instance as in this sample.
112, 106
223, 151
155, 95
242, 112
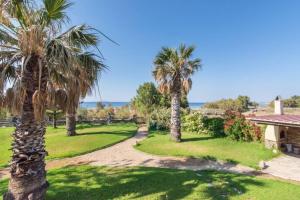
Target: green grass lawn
204, 146
58, 145
86, 182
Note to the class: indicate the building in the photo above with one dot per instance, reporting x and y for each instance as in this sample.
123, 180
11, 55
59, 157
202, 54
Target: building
283, 131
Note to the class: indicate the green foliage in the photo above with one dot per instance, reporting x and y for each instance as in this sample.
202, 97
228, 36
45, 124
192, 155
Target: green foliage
238, 128
197, 123
165, 101
160, 119
149, 99
146, 99
241, 104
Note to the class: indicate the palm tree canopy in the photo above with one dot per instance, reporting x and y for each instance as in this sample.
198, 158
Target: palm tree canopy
175, 64
67, 89
31, 29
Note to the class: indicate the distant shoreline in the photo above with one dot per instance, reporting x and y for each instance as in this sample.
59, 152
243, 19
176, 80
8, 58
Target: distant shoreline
118, 104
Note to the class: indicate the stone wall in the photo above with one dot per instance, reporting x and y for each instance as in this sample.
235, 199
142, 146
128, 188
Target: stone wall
293, 136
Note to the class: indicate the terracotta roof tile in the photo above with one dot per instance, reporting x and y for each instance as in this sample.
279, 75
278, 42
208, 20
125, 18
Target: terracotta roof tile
283, 119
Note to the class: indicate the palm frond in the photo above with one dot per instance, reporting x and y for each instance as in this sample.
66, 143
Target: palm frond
80, 36
54, 12
173, 68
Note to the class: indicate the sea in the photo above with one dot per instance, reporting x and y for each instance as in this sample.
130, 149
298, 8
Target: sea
92, 105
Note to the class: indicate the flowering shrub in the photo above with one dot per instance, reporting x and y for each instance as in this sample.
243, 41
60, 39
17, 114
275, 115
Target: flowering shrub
197, 123
238, 128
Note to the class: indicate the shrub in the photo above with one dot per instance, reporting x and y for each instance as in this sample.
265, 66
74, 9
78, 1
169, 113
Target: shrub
240, 104
123, 113
197, 123
82, 113
101, 113
160, 119
237, 127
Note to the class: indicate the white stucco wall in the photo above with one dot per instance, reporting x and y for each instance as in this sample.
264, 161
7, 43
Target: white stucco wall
272, 133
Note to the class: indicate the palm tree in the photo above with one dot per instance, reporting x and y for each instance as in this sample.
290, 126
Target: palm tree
85, 81
173, 71
32, 50
78, 84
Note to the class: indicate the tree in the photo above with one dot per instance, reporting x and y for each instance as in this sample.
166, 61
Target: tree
146, 99
244, 101
53, 114
78, 84
33, 51
173, 71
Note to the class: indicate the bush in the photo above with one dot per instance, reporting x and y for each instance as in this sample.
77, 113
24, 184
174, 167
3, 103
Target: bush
101, 113
240, 104
82, 113
197, 123
160, 119
238, 128
123, 113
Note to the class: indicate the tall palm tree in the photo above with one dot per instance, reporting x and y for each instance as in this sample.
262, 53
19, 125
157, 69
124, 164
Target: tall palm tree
72, 87
86, 79
32, 49
173, 71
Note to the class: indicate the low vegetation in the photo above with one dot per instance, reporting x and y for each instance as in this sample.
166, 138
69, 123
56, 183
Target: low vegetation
206, 146
240, 104
106, 112
58, 145
195, 122
86, 182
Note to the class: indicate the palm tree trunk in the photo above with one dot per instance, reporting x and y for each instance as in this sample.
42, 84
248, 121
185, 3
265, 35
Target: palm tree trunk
175, 116
27, 168
71, 123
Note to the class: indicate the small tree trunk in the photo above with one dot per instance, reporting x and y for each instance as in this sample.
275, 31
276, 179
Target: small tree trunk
175, 116
54, 119
27, 168
71, 124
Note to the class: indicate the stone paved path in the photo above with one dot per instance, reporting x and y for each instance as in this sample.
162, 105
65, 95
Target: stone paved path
123, 154
286, 167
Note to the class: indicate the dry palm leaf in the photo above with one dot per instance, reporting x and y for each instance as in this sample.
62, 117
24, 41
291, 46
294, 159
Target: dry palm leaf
39, 104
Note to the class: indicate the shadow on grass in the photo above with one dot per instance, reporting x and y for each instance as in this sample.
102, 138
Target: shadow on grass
110, 183
197, 139
116, 132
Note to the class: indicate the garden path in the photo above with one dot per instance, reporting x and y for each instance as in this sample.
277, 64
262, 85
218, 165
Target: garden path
124, 154
285, 166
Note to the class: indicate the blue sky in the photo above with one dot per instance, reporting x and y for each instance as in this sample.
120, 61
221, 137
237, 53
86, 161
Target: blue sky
249, 47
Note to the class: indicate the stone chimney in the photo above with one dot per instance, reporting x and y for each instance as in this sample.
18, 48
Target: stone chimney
278, 106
